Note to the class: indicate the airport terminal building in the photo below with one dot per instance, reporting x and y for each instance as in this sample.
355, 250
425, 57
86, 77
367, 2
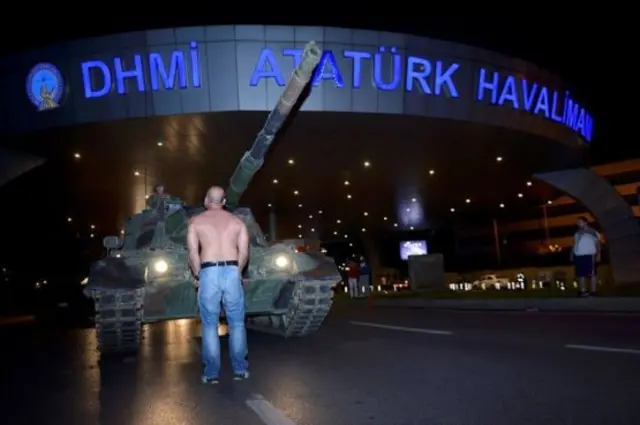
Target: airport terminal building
386, 82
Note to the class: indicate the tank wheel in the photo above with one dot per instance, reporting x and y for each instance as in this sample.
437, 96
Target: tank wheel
118, 319
310, 303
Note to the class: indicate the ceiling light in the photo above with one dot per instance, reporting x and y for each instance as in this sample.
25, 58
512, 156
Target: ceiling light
411, 228
350, 244
92, 226
501, 205
269, 205
313, 230
414, 200
290, 161
69, 219
366, 213
529, 183
346, 183
319, 211
295, 192
310, 216
364, 230
91, 235
146, 196
76, 155
136, 173
338, 221
299, 236
432, 172
549, 202
348, 196
122, 232
367, 164
519, 195
499, 159
299, 226
275, 181
408, 209
468, 201
335, 233
346, 236
395, 224
384, 218
453, 210
299, 205
159, 143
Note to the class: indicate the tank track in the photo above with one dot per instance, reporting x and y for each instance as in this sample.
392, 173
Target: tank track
118, 319
310, 303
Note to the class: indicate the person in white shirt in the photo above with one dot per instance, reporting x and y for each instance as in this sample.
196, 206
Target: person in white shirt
585, 255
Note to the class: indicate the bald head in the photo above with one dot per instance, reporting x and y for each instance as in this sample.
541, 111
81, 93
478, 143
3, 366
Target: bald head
214, 197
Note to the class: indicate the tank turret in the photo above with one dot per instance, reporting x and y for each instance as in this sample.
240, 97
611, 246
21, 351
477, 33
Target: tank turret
290, 99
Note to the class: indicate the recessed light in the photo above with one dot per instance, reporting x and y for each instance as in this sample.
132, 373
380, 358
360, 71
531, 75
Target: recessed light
520, 195
367, 164
299, 236
313, 230
91, 235
299, 226
291, 161
275, 181
529, 183
499, 159
338, 221
69, 219
346, 183
319, 211
348, 196
549, 202
453, 210
159, 143
346, 236
501, 205
364, 230
92, 226
295, 192
468, 201
408, 209
432, 172
335, 233
395, 224
299, 205
411, 228
269, 205
76, 155
365, 213
414, 200
384, 218
136, 173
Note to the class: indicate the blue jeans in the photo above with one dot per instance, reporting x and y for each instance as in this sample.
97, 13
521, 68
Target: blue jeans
222, 284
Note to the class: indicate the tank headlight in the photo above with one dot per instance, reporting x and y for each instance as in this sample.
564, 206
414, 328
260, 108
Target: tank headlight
282, 261
160, 266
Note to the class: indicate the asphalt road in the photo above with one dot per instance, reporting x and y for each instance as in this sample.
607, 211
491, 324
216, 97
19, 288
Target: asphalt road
381, 366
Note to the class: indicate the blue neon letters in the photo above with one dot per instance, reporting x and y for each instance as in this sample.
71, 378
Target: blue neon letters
160, 76
390, 71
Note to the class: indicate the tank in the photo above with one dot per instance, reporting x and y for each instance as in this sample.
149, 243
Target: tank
145, 277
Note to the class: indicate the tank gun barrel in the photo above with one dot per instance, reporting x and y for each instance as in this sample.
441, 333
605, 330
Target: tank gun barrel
253, 159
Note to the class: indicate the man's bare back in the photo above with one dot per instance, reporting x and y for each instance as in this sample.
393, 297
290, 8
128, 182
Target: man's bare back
217, 235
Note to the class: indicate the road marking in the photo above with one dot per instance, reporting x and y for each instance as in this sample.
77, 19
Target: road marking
402, 328
268, 413
605, 349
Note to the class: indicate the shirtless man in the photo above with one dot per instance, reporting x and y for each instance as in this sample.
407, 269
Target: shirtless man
218, 244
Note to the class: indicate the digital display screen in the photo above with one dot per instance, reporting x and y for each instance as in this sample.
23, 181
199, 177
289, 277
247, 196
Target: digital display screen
408, 248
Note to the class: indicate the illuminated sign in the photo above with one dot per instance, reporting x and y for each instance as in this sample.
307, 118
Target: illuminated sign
434, 78
100, 78
45, 86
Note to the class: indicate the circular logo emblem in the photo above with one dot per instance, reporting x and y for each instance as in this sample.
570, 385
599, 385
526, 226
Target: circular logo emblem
45, 86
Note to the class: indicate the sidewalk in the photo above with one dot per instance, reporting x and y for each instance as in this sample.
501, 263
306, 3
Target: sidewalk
595, 305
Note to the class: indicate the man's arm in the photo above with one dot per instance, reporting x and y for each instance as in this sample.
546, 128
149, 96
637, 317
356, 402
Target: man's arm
194, 249
243, 246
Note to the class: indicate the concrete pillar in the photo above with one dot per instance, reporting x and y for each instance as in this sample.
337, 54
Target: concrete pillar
613, 213
272, 225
